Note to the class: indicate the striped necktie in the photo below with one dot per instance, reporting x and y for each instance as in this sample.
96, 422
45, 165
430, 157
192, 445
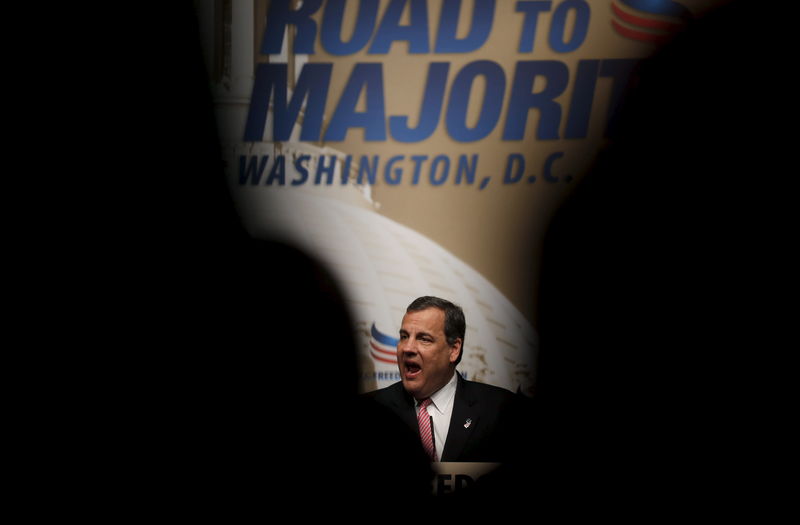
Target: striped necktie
425, 432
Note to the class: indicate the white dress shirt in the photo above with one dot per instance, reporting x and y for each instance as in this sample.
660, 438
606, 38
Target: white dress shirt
441, 408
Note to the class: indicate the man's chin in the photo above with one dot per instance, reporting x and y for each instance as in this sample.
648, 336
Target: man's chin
412, 386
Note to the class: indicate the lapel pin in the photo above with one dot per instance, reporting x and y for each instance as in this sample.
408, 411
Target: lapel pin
467, 423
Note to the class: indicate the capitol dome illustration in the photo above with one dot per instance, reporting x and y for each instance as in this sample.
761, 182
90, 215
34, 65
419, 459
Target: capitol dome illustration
382, 266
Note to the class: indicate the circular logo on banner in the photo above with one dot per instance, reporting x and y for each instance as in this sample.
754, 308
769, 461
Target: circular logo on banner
648, 20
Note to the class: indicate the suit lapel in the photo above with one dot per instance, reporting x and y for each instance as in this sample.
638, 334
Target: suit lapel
463, 422
404, 407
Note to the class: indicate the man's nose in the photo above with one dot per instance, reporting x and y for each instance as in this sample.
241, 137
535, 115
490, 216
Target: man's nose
406, 347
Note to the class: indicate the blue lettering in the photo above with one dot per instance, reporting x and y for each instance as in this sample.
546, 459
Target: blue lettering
582, 100
490, 108
301, 169
278, 172
418, 160
515, 167
251, 170
430, 111
467, 171
523, 99
367, 77
548, 166
398, 172
532, 11
482, 17
348, 161
325, 169
439, 159
370, 170
271, 83
279, 16
416, 33
330, 35
580, 106
559, 22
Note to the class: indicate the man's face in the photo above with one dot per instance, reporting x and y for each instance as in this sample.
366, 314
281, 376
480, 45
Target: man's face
425, 359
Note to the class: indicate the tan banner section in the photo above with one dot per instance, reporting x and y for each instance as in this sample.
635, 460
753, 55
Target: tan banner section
420, 147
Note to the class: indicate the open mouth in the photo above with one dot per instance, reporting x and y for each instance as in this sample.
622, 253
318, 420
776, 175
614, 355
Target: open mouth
412, 369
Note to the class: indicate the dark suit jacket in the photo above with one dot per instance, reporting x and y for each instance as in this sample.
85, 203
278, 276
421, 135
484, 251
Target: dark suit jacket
484, 426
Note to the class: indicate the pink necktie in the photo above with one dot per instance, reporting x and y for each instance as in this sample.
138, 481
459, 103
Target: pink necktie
425, 432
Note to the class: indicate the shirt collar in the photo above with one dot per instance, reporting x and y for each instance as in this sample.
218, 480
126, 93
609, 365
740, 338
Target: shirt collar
443, 398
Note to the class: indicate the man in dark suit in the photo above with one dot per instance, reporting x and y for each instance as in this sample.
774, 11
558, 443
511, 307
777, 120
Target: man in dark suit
465, 420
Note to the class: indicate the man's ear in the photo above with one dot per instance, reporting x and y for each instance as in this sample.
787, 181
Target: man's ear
455, 350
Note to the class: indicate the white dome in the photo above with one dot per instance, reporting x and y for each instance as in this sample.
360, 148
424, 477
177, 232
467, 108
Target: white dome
382, 266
